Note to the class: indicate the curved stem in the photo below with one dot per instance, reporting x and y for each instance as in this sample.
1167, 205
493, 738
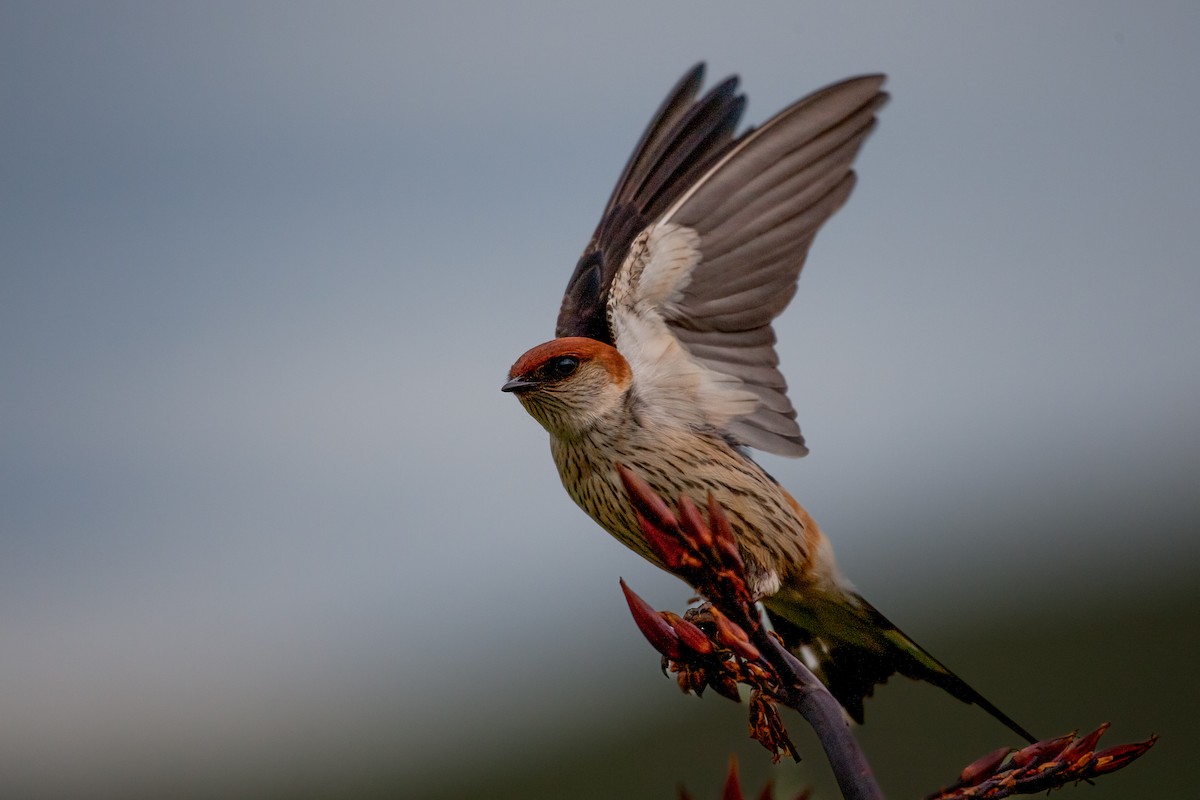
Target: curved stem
803, 691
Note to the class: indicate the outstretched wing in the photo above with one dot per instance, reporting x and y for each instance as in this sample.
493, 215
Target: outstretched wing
756, 212
683, 139
692, 302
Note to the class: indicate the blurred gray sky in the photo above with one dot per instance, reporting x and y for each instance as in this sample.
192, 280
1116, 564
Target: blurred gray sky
263, 268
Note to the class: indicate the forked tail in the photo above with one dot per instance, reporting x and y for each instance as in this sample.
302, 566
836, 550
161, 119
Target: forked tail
852, 647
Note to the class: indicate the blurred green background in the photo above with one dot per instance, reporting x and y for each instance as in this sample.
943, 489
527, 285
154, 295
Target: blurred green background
269, 529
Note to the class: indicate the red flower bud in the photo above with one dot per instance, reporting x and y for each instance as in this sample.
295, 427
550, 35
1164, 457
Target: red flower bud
1114, 758
732, 636
1045, 750
1083, 746
646, 500
733, 787
693, 526
658, 631
690, 636
983, 768
723, 534
666, 546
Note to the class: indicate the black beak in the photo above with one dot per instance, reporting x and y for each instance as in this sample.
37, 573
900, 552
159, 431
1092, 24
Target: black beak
518, 385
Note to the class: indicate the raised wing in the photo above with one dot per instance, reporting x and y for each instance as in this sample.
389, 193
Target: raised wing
684, 138
756, 212
692, 302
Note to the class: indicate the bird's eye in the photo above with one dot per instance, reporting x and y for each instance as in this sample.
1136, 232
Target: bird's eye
562, 367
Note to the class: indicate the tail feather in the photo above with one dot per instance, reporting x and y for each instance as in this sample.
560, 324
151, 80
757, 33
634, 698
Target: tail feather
853, 648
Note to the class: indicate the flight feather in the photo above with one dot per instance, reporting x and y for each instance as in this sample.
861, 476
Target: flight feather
701, 244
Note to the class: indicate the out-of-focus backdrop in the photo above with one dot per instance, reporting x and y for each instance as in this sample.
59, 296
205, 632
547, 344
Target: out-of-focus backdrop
269, 529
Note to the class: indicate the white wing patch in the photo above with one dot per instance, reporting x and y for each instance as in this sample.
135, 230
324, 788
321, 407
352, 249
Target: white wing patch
644, 291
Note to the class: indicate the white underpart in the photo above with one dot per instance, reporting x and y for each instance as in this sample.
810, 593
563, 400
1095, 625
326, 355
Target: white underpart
767, 582
647, 286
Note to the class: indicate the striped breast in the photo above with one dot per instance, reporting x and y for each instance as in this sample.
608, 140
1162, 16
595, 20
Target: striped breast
769, 526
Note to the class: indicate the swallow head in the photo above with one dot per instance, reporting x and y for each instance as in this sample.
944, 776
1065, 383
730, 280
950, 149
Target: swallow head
570, 385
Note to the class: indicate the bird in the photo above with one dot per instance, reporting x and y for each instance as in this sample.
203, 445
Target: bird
664, 359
